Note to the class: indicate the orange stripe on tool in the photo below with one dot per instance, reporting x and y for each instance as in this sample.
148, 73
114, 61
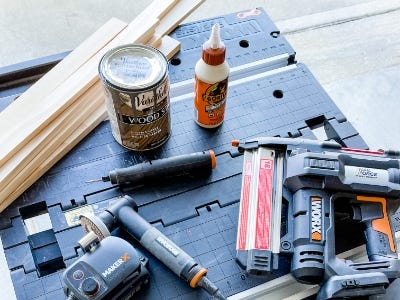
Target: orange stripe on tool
382, 224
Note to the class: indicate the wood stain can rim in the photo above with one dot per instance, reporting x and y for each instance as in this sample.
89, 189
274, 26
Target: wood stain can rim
135, 70
109, 76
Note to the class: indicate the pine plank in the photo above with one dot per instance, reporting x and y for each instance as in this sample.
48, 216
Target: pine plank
38, 148
69, 134
73, 90
169, 46
66, 93
32, 99
70, 141
173, 18
139, 30
176, 15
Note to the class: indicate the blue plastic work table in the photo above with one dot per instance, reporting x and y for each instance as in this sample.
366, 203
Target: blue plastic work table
269, 94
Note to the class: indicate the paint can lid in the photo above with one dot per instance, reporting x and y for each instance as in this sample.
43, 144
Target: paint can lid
133, 67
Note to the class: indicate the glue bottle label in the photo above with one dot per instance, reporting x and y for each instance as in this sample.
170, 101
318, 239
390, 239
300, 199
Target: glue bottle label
210, 102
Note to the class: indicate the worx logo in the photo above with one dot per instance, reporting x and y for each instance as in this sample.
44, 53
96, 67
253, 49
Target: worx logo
316, 218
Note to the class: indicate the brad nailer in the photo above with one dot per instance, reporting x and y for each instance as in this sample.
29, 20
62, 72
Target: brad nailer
314, 177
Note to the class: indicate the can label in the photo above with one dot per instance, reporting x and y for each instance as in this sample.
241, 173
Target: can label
140, 121
210, 102
136, 86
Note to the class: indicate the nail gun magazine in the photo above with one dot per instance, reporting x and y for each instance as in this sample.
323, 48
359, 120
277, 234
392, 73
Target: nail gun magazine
318, 181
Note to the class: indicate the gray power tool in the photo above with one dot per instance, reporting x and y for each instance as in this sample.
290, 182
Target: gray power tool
123, 213
317, 177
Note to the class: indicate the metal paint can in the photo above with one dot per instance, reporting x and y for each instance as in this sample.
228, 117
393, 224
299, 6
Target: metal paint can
135, 80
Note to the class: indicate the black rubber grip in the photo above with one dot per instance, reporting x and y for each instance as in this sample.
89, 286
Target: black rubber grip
198, 162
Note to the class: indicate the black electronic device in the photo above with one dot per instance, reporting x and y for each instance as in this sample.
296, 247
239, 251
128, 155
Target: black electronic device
110, 269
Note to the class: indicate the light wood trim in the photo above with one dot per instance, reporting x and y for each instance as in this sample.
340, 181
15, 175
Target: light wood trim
64, 95
169, 46
32, 99
54, 133
72, 120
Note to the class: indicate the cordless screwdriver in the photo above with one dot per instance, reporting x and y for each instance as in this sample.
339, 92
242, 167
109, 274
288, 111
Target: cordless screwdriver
180, 165
123, 213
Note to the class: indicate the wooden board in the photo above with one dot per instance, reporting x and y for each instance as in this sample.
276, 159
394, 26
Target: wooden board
84, 128
156, 9
85, 119
32, 99
173, 18
50, 138
139, 30
66, 93
73, 88
53, 139
53, 127
176, 15
169, 46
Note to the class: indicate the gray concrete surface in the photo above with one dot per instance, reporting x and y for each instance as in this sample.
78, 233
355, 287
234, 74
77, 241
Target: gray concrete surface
32, 29
363, 43
356, 58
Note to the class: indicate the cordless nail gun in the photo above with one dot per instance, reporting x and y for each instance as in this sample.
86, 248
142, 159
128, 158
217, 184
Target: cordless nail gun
314, 177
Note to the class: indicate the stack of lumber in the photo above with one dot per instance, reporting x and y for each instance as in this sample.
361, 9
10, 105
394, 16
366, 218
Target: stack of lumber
59, 110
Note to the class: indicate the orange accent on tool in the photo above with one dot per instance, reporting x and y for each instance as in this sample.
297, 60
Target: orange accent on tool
125, 257
213, 159
382, 224
235, 143
315, 236
193, 283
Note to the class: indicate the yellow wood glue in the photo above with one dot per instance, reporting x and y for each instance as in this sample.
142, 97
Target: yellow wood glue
211, 82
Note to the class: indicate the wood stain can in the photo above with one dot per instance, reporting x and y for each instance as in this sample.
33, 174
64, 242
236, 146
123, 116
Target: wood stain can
136, 84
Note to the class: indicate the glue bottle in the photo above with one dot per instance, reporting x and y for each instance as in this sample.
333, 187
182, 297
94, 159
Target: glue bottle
211, 82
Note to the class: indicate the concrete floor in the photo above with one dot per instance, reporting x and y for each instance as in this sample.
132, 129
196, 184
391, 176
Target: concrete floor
361, 77
32, 29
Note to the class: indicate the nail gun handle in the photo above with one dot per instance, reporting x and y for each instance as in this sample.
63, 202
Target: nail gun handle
373, 212
310, 221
